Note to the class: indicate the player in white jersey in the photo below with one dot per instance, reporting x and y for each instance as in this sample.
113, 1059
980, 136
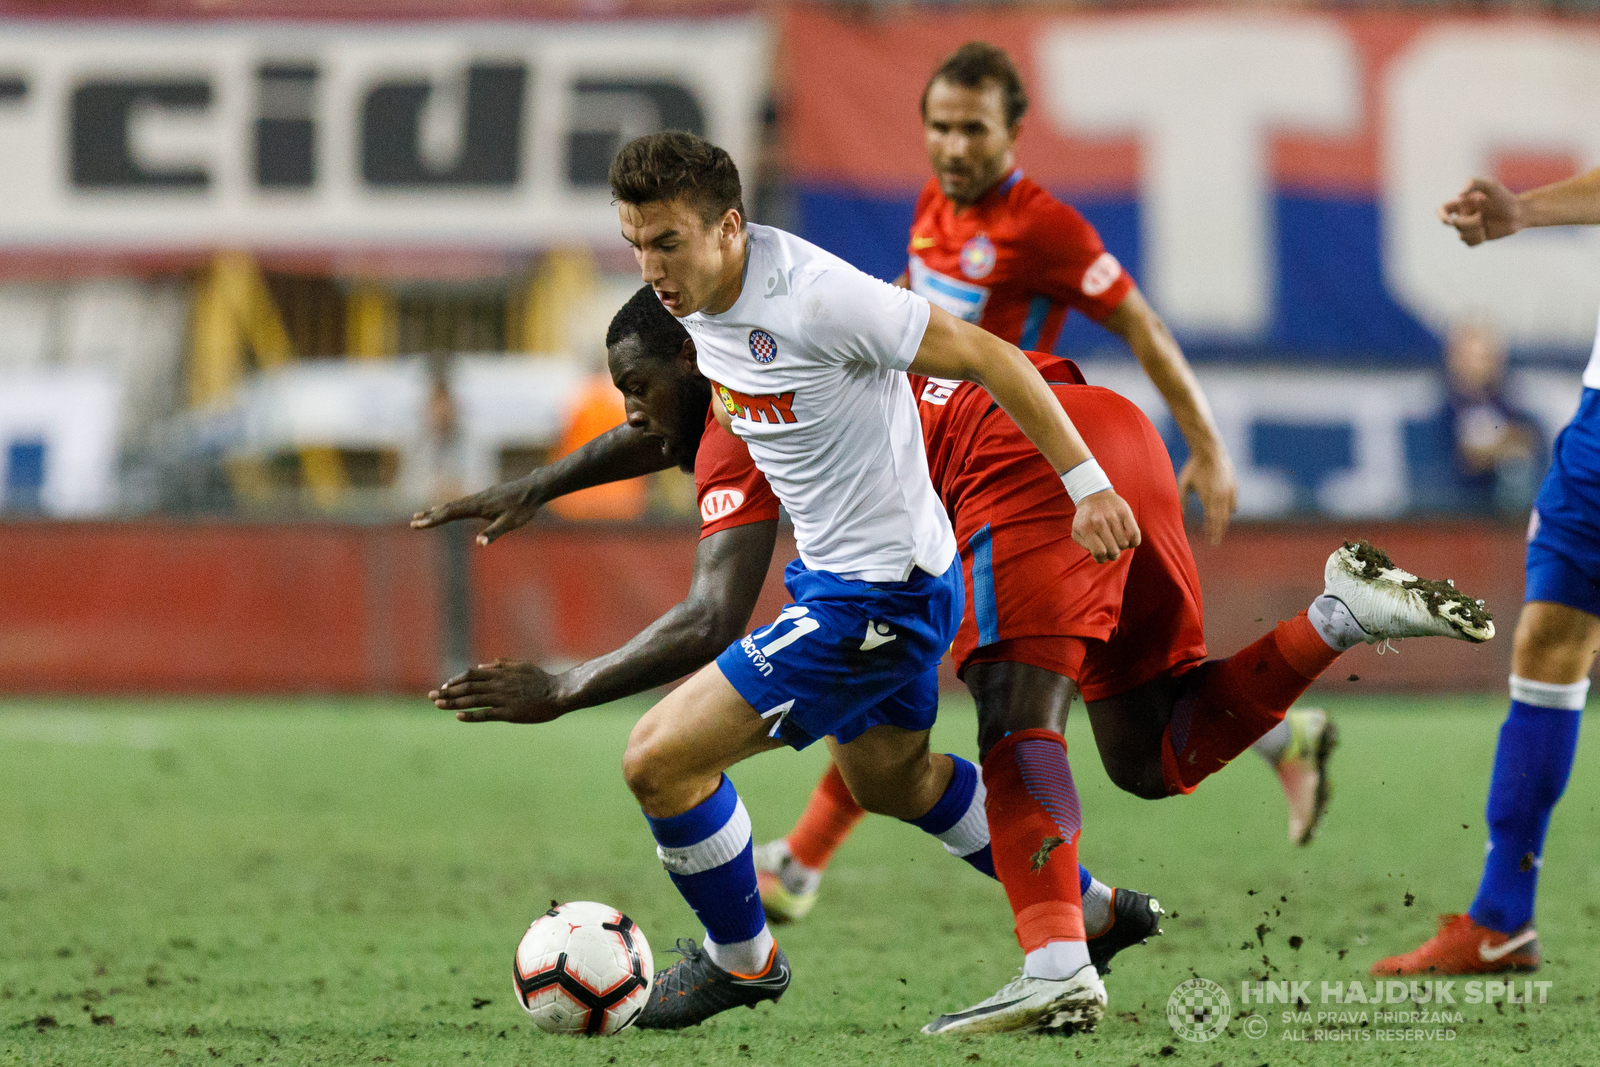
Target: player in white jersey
1554, 647
806, 356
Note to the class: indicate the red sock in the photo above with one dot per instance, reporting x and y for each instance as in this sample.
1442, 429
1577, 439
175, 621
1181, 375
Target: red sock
830, 815
1034, 822
1230, 703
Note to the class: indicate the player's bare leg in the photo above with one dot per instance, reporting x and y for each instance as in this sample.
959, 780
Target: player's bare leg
1168, 735
890, 771
674, 765
1298, 749
1552, 654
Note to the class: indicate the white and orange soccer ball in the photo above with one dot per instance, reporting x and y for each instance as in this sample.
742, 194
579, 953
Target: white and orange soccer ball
583, 968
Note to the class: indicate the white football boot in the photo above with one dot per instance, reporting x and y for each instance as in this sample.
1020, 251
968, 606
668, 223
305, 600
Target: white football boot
1033, 1005
1387, 603
788, 890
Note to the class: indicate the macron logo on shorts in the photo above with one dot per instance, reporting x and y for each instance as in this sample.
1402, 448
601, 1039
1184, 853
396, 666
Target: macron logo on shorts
878, 633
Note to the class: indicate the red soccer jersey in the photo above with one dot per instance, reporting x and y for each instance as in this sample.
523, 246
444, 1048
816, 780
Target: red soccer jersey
1030, 587
1013, 263
731, 490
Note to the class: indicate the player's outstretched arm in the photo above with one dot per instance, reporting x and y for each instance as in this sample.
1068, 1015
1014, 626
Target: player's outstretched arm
1486, 209
1209, 472
620, 453
950, 348
729, 569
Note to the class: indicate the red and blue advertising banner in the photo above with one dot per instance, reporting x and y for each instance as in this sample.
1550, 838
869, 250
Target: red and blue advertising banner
1270, 178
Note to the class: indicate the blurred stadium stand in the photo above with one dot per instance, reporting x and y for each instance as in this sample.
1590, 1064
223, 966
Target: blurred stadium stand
278, 262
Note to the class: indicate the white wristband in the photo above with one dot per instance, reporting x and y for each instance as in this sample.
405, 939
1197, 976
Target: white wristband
1085, 479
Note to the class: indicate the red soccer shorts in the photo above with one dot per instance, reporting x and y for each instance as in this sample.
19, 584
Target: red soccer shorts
1034, 596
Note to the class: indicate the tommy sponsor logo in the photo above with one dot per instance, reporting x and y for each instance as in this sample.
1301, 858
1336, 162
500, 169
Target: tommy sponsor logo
720, 502
939, 390
1101, 275
766, 407
878, 633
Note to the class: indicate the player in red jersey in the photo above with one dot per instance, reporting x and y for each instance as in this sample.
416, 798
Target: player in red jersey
1127, 632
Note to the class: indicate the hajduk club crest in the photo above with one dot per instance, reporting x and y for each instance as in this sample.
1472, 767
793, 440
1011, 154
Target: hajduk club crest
763, 347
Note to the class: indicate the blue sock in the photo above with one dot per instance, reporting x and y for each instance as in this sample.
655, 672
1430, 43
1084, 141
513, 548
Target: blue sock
1084, 879
1531, 765
957, 818
707, 852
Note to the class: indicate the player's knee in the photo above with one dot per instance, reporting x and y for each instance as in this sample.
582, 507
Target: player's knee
647, 766
1142, 778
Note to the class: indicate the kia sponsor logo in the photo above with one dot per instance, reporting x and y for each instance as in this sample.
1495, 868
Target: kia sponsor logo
1101, 274
718, 503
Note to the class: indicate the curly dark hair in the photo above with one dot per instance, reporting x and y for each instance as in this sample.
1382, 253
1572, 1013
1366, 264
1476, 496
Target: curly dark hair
660, 335
674, 164
975, 63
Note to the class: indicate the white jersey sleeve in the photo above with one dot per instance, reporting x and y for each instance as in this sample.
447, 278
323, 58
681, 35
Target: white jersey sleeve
860, 319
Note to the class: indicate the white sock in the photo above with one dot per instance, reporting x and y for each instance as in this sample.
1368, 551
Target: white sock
1096, 907
742, 957
1334, 623
1271, 745
1550, 694
1056, 960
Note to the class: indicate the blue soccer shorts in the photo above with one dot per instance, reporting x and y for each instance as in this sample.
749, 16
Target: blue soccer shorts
848, 655
1564, 534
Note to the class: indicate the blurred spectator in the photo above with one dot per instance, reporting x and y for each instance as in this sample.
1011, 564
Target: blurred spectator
1497, 446
596, 408
435, 471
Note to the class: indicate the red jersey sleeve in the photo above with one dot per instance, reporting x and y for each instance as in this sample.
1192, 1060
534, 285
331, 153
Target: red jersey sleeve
731, 490
1073, 265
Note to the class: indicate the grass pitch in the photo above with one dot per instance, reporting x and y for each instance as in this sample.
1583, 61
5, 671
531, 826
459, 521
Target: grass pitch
344, 883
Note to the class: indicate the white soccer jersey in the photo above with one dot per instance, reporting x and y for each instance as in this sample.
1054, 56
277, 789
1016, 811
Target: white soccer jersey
809, 364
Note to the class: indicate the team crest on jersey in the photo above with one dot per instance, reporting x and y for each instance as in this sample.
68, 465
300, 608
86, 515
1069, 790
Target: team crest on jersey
977, 257
763, 347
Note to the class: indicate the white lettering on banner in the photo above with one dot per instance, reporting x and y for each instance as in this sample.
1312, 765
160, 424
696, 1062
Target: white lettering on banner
1203, 130
1456, 97
160, 135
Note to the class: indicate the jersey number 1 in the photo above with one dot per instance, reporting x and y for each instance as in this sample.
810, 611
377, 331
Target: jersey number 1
802, 626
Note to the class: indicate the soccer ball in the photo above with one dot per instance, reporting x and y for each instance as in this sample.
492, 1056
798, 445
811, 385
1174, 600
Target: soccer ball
583, 968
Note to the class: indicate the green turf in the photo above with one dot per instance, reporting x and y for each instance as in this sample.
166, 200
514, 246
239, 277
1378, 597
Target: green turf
341, 882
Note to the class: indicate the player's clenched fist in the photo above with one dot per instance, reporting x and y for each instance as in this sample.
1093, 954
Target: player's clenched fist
1105, 526
1483, 211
